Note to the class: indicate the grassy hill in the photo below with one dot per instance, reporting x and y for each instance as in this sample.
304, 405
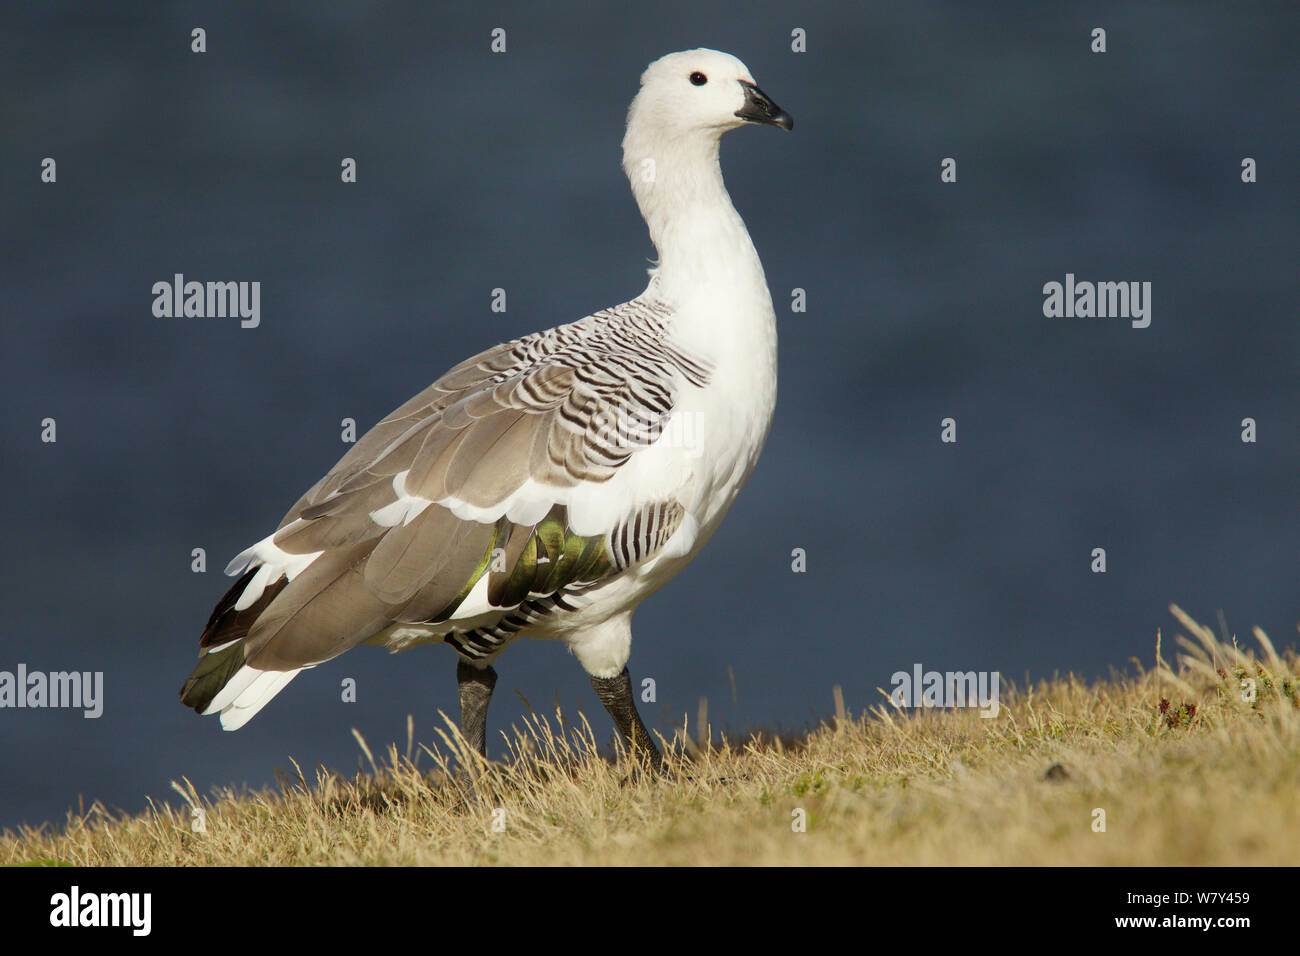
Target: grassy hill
1187, 769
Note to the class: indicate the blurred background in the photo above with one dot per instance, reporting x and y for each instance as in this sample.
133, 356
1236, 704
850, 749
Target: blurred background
478, 171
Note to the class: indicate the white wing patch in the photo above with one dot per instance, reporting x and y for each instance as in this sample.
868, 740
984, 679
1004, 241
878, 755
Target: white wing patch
655, 473
405, 509
273, 561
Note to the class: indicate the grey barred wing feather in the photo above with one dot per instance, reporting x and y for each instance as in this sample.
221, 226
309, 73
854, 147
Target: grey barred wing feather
380, 533
417, 411
566, 405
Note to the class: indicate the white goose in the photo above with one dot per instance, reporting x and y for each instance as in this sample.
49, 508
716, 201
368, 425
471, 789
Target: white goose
547, 486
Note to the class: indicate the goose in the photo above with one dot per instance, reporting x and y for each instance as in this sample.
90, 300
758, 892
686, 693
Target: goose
548, 485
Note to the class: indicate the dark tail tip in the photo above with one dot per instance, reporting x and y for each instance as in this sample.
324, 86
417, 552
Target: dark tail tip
212, 674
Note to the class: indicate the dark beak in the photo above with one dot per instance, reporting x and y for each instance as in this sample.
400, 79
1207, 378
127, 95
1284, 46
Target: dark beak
759, 109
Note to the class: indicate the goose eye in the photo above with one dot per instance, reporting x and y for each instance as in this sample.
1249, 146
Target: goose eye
699, 79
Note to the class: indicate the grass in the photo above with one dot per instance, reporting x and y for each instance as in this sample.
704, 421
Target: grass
1185, 770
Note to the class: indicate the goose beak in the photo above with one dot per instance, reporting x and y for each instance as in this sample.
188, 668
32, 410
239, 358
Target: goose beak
759, 108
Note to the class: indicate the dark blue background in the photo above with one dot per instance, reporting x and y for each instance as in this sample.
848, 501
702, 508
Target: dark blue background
479, 171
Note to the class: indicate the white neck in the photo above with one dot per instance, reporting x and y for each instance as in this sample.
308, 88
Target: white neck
700, 238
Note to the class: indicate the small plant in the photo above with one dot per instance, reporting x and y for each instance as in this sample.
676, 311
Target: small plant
1180, 716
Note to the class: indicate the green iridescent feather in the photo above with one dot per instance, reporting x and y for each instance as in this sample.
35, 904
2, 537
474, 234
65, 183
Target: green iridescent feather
499, 531
212, 674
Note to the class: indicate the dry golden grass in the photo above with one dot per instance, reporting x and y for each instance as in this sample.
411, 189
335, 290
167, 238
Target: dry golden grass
1210, 779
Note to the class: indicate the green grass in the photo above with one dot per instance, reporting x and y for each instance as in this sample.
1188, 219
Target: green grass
1186, 771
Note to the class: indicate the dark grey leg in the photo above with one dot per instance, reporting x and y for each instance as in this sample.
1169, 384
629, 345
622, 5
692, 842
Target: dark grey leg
475, 692
616, 694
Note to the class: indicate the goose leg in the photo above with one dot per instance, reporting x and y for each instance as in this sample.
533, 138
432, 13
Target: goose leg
475, 691
616, 694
